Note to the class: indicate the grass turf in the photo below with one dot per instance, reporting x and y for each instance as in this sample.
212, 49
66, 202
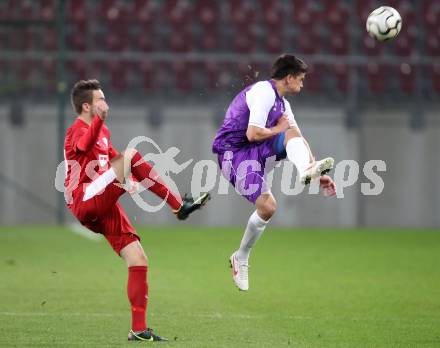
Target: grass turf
309, 288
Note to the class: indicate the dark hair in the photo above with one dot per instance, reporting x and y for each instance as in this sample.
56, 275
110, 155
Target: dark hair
82, 92
287, 64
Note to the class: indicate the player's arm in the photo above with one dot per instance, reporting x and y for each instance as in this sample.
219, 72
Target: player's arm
87, 138
256, 133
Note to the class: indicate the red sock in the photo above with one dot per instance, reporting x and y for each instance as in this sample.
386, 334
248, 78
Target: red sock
142, 170
137, 290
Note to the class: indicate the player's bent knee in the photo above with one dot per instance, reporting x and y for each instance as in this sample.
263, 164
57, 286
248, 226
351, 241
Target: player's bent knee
271, 208
134, 255
292, 133
141, 260
268, 209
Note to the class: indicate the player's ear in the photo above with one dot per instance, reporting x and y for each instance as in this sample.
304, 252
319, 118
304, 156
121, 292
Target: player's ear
86, 107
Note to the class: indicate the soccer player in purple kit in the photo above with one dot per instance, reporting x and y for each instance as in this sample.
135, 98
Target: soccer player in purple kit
259, 125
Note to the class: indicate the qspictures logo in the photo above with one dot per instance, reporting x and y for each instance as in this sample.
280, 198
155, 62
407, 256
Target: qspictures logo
208, 177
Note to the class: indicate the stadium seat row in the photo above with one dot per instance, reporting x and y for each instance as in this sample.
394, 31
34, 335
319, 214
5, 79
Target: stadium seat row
185, 76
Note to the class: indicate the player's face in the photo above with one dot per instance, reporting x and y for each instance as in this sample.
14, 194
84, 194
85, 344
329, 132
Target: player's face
97, 96
295, 83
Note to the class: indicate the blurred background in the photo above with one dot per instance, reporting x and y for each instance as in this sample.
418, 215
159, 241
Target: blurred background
169, 70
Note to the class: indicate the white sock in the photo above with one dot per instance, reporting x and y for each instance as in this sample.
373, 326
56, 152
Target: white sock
298, 153
254, 229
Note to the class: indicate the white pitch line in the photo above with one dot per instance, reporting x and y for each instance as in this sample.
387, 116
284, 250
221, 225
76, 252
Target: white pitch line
45, 314
214, 315
84, 232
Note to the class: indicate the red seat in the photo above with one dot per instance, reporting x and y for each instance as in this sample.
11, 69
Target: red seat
246, 73
315, 75
336, 16
376, 77
272, 14
78, 69
143, 11
371, 46
210, 40
274, 42
433, 44
339, 43
244, 42
212, 72
7, 9
304, 15
405, 45
47, 10
49, 39
145, 40
407, 78
147, 70
77, 12
431, 15
307, 41
183, 75
48, 68
341, 72
435, 74
242, 13
25, 10
118, 71
116, 41
208, 13
24, 69
76, 40
363, 9
104, 8
23, 39
180, 41
178, 12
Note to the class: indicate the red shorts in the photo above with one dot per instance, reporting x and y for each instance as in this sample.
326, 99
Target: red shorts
103, 214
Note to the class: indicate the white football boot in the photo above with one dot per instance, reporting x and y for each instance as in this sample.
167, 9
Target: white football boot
317, 169
240, 272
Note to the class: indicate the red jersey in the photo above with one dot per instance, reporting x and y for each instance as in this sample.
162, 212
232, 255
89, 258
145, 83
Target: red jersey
87, 152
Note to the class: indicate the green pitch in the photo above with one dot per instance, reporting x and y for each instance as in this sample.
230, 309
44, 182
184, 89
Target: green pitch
309, 288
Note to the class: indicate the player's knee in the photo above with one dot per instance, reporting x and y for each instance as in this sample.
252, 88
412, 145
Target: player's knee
140, 259
292, 133
270, 207
143, 260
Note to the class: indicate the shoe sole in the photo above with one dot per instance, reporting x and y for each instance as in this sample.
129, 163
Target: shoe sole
198, 204
323, 169
202, 200
230, 266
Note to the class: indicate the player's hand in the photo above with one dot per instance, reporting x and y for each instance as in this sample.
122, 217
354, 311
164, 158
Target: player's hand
283, 124
101, 109
327, 185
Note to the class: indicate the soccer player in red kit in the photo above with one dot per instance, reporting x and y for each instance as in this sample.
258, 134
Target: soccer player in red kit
95, 172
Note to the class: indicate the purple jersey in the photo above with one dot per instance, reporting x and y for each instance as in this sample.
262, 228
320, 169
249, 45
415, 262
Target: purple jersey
261, 106
258, 104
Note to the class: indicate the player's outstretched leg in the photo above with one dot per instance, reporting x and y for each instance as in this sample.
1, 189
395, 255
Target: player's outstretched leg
299, 154
147, 176
239, 260
317, 169
137, 291
190, 205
